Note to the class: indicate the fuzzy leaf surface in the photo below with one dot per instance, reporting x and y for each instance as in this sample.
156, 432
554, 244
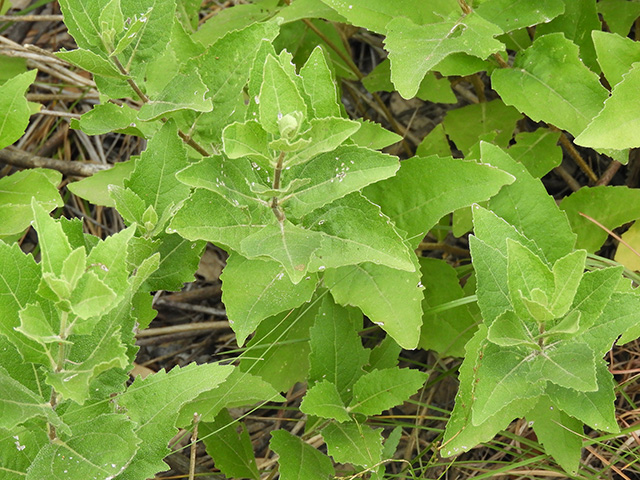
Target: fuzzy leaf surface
323, 400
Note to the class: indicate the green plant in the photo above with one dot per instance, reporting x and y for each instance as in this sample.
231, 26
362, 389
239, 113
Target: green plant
249, 148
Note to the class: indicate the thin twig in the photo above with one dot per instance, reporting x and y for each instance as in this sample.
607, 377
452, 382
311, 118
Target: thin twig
31, 18
608, 174
571, 149
56, 113
196, 328
571, 182
610, 232
18, 158
194, 441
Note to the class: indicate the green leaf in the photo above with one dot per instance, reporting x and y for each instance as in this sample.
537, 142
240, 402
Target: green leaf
324, 135
510, 15
208, 216
415, 50
91, 62
611, 206
18, 275
567, 273
152, 404
560, 434
182, 92
91, 298
374, 136
16, 194
231, 450
249, 140
100, 447
269, 292
616, 126
576, 24
508, 330
335, 174
82, 22
106, 118
319, 85
381, 390
278, 97
14, 107
354, 230
505, 375
596, 409
19, 447
353, 443
19, 404
526, 273
550, 73
619, 15
229, 19
616, 54
376, 14
279, 350
323, 400
435, 143
337, 354
289, 245
239, 389
571, 365
384, 355
594, 293
426, 189
95, 188
526, 205
538, 151
154, 176
432, 88
448, 331
233, 180
225, 68
397, 310
461, 434
466, 125
299, 460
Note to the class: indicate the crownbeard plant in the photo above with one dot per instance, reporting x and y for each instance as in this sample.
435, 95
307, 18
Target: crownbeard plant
250, 148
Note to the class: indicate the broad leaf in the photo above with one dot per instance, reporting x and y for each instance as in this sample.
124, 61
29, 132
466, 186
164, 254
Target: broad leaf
18, 190
14, 107
337, 354
299, 460
616, 126
550, 73
323, 400
231, 450
353, 443
415, 50
538, 151
611, 206
426, 189
381, 390
269, 292
510, 15
616, 54
397, 310
152, 404
100, 447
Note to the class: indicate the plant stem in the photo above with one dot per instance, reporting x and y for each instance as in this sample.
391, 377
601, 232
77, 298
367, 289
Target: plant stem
186, 138
276, 185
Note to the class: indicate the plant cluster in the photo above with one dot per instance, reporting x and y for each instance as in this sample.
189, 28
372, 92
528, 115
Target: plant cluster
249, 148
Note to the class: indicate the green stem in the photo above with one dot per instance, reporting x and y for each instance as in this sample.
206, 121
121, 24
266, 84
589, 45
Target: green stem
275, 206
